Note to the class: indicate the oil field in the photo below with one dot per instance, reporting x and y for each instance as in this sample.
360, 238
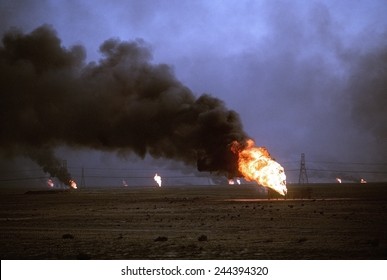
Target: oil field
315, 221
190, 92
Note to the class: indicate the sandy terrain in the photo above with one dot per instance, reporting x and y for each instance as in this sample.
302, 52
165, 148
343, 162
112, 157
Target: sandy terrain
346, 221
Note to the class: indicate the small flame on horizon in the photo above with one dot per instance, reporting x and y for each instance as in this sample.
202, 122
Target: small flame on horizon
50, 183
73, 184
232, 181
256, 164
363, 181
124, 183
157, 178
338, 180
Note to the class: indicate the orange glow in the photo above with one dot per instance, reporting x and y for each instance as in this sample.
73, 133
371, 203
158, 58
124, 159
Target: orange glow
256, 164
73, 185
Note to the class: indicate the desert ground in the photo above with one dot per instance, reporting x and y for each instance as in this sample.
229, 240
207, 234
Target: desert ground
326, 221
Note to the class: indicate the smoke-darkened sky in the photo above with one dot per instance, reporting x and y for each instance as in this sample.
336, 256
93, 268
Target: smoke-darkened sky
304, 76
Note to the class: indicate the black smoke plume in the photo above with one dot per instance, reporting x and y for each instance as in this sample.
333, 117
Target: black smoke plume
368, 86
124, 103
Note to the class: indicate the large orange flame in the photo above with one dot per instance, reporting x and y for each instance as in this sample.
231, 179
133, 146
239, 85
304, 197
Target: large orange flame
256, 164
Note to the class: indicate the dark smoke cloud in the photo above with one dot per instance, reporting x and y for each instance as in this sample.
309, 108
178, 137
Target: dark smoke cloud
46, 159
368, 88
123, 103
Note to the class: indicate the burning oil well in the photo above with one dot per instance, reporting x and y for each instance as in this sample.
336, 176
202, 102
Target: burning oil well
50, 96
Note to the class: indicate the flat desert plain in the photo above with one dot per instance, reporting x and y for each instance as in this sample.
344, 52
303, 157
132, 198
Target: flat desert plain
327, 221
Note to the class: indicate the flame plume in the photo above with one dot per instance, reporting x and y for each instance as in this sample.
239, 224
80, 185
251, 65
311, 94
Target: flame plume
50, 183
256, 164
73, 184
157, 178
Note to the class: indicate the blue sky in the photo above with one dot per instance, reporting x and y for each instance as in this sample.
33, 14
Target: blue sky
295, 71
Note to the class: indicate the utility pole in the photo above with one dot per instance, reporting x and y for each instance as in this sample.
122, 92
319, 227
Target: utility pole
303, 177
83, 183
63, 167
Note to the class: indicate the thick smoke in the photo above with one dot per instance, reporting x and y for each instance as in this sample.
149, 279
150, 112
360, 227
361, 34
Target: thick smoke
46, 159
123, 103
368, 86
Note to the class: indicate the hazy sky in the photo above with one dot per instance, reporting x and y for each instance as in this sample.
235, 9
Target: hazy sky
305, 76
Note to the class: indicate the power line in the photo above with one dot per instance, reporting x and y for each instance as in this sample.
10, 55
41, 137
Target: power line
349, 163
348, 171
22, 179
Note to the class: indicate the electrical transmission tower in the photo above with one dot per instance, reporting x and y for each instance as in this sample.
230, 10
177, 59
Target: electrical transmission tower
303, 178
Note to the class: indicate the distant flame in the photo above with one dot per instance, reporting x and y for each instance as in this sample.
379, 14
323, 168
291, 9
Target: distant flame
157, 178
124, 183
363, 181
232, 181
255, 164
73, 185
338, 180
50, 183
